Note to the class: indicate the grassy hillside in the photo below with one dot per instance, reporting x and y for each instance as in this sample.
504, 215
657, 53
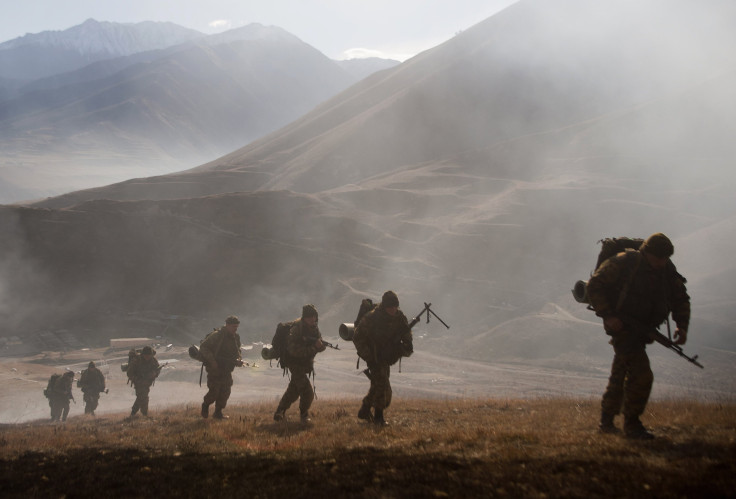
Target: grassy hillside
470, 448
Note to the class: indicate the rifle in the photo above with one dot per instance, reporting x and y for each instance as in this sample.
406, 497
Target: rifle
313, 339
653, 334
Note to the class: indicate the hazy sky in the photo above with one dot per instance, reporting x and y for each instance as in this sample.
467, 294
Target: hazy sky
340, 29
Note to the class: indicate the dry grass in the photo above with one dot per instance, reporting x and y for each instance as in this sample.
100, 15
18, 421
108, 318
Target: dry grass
529, 448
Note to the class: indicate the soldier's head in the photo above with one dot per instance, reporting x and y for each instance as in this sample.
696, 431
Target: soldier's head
231, 324
91, 365
390, 302
69, 373
147, 351
657, 249
309, 314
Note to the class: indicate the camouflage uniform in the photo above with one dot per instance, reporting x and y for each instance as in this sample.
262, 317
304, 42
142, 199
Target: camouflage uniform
381, 340
92, 383
61, 393
221, 353
142, 373
302, 347
627, 286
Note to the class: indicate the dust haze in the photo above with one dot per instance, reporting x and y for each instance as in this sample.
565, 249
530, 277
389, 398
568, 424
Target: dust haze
477, 176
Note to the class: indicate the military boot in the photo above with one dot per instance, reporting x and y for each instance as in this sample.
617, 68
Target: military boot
205, 410
633, 428
304, 417
378, 418
365, 413
219, 415
606, 425
279, 415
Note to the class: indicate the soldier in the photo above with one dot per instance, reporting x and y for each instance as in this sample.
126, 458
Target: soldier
221, 353
92, 383
382, 337
60, 392
143, 371
304, 342
644, 286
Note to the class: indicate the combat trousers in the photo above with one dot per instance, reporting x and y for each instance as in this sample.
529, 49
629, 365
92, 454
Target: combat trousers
299, 388
379, 394
141, 399
59, 408
220, 385
91, 400
630, 382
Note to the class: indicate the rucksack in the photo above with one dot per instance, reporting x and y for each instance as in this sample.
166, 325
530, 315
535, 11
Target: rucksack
134, 358
278, 350
50, 386
612, 246
347, 330
194, 349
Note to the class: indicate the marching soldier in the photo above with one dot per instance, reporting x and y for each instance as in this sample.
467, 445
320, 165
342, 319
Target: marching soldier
382, 337
59, 394
304, 343
92, 383
221, 354
643, 286
143, 371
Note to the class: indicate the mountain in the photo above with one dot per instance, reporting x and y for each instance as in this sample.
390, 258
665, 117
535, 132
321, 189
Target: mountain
163, 110
477, 176
40, 55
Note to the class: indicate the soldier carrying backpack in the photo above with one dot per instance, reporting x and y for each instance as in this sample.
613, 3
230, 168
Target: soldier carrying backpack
635, 291
220, 352
59, 392
143, 369
92, 383
303, 343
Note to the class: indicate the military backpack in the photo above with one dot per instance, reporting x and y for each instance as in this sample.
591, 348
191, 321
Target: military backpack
50, 385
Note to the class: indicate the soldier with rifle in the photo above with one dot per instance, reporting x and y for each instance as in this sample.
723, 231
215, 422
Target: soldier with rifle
142, 372
303, 344
634, 292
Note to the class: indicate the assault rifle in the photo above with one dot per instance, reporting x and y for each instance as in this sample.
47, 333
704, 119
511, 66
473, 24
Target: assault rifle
666, 341
313, 339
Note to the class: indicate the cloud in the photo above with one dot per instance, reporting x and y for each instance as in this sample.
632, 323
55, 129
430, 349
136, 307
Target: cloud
363, 53
220, 24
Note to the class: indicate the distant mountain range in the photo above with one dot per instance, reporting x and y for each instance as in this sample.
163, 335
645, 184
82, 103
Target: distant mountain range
140, 99
477, 176
40, 55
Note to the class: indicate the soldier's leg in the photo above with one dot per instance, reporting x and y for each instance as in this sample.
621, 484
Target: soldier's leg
65, 411
144, 400
94, 402
306, 392
214, 384
55, 410
638, 385
223, 394
290, 395
614, 395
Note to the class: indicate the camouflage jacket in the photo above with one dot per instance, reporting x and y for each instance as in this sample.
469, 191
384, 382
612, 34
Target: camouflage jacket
300, 346
626, 285
92, 381
223, 348
382, 338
